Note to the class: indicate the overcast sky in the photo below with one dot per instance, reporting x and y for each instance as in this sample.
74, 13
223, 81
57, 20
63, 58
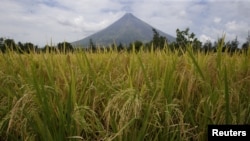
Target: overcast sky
39, 21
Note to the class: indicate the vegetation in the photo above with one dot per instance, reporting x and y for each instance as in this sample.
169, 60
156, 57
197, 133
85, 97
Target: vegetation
156, 91
183, 39
7, 45
111, 95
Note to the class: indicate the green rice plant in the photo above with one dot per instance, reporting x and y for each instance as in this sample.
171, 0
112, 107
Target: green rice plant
111, 95
227, 102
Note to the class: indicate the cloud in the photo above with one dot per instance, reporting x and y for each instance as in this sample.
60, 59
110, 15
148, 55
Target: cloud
224, 17
204, 38
38, 21
217, 20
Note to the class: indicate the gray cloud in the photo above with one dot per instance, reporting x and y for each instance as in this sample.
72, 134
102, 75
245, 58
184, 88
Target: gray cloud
40, 20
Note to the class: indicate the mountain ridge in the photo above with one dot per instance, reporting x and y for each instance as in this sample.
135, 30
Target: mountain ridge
125, 30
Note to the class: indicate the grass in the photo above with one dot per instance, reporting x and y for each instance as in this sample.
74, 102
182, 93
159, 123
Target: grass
158, 95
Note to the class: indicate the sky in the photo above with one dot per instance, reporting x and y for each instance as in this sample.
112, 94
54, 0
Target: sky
51, 21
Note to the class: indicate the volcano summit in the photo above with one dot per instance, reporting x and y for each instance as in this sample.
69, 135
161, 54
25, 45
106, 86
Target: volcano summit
125, 30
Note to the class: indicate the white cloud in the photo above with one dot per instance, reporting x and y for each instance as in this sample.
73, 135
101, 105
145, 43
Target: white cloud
236, 26
217, 20
183, 13
203, 38
39, 20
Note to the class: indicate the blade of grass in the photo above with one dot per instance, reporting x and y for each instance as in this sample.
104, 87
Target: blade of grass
196, 64
227, 102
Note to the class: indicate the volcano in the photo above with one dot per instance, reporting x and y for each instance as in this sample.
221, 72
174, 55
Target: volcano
125, 30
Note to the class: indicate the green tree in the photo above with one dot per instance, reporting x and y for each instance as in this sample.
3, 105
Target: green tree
27, 47
232, 46
65, 47
120, 47
92, 46
184, 38
137, 45
208, 47
246, 45
30, 47
220, 43
2, 44
49, 49
158, 41
9, 44
1, 41
20, 45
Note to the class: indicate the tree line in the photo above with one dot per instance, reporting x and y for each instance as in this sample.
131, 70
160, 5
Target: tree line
7, 45
184, 39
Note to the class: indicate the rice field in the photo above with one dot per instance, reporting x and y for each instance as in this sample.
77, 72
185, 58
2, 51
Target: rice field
121, 96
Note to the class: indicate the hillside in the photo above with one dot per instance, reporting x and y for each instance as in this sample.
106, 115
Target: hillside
125, 30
